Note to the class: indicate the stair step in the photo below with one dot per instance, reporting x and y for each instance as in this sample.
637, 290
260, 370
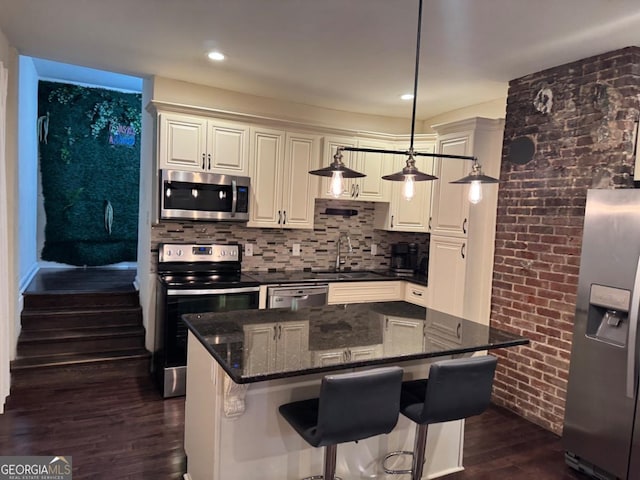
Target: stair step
44, 343
80, 301
80, 368
93, 317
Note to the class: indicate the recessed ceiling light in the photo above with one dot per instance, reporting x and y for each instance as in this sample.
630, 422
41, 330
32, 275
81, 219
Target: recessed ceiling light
407, 96
216, 56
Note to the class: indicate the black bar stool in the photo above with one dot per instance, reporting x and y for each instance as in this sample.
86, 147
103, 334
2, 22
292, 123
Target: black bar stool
455, 389
351, 406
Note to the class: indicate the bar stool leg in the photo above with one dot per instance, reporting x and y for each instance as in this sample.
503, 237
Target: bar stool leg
330, 452
330, 461
418, 451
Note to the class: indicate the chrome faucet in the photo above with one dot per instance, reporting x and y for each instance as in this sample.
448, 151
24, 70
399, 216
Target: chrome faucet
339, 259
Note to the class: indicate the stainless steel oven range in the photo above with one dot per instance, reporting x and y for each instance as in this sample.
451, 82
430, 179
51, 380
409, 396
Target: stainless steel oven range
194, 279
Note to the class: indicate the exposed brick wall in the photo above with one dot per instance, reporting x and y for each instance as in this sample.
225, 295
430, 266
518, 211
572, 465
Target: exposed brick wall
585, 141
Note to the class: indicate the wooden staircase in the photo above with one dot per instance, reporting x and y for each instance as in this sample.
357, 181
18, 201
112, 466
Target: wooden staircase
79, 336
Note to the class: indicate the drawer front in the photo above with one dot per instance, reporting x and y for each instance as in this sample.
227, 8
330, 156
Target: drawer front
416, 294
364, 292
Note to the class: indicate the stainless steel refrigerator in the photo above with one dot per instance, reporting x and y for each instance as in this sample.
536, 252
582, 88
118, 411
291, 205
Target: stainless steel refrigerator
602, 420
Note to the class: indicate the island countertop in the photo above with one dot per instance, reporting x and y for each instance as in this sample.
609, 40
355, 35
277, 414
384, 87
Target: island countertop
250, 345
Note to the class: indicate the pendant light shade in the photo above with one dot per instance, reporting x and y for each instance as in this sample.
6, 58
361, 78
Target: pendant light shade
475, 179
338, 172
337, 167
411, 170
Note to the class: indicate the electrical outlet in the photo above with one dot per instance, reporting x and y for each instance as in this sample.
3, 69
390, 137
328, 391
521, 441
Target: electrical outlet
374, 249
295, 251
248, 250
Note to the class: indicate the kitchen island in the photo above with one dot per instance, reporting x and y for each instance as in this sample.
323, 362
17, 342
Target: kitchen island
242, 365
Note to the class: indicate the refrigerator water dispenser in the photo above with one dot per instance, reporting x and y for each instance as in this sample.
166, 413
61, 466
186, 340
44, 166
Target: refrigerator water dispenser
608, 316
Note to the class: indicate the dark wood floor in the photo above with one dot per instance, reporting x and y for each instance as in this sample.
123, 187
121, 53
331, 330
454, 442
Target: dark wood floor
125, 430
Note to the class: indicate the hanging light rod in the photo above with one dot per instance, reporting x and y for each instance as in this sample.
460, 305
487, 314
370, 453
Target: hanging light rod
338, 171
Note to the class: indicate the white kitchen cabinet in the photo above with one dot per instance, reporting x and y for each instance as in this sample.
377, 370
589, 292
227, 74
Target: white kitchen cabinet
283, 192
326, 358
282, 346
404, 215
370, 188
457, 285
403, 335
201, 144
447, 274
363, 292
450, 214
373, 188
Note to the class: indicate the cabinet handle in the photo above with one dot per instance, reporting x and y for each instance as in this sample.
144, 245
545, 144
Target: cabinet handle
458, 330
209, 157
430, 223
353, 190
203, 161
279, 331
275, 332
284, 221
279, 217
417, 293
391, 221
464, 226
386, 326
463, 250
357, 191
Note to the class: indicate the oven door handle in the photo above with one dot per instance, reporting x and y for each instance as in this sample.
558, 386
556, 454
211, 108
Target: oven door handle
212, 291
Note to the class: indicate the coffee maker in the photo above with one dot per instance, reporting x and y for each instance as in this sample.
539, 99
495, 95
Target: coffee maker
404, 258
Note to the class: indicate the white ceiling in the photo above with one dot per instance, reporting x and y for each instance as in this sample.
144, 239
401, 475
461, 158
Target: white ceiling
355, 55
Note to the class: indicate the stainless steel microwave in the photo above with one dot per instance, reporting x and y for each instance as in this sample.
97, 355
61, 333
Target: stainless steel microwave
203, 196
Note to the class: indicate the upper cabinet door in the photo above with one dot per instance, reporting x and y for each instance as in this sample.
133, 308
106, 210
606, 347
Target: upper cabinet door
302, 154
329, 147
228, 151
447, 266
373, 188
267, 158
450, 211
182, 142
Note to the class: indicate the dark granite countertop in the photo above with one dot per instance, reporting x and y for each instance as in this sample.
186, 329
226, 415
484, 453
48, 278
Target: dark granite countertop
251, 347
285, 276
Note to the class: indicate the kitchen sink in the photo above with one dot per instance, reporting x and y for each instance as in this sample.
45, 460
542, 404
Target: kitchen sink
344, 275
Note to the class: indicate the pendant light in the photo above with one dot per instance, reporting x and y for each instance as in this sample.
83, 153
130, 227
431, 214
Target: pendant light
338, 171
475, 180
410, 173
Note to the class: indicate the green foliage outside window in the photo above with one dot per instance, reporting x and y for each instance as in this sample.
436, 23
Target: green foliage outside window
90, 183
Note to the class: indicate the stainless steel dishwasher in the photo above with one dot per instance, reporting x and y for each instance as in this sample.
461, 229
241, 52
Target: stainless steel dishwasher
295, 296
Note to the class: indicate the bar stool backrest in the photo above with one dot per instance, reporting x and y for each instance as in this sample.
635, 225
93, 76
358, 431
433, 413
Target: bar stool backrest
458, 388
358, 405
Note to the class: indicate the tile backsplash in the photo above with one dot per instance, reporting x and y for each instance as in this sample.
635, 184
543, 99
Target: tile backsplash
272, 247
